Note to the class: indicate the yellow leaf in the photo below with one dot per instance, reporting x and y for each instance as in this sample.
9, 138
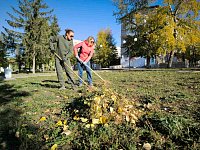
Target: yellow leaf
54, 147
119, 110
103, 120
113, 97
42, 119
106, 125
134, 117
84, 119
75, 110
59, 123
76, 118
65, 97
133, 121
46, 137
17, 134
92, 125
95, 121
97, 99
65, 122
65, 128
29, 136
87, 125
68, 132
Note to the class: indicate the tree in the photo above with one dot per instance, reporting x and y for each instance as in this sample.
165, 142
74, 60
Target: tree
181, 13
7, 47
54, 26
193, 47
105, 52
3, 54
166, 29
54, 32
30, 19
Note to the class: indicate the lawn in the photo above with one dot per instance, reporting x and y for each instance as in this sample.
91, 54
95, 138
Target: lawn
157, 109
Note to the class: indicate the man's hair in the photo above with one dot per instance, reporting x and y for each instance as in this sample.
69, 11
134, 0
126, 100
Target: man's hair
68, 31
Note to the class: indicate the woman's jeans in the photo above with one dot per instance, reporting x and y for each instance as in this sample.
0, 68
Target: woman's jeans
88, 71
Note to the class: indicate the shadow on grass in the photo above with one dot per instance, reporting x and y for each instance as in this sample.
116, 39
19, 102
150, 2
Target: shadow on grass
8, 93
52, 84
77, 104
9, 119
9, 115
47, 85
51, 81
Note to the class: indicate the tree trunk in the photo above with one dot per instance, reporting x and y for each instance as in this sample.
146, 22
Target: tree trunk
43, 68
148, 61
33, 64
19, 63
169, 65
19, 66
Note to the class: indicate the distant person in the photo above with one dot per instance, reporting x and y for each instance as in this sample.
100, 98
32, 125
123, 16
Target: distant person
63, 46
85, 53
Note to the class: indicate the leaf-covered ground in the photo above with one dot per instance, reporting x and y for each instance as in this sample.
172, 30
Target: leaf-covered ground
134, 109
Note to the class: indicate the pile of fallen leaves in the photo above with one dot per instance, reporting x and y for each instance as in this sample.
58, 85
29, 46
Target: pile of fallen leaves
102, 107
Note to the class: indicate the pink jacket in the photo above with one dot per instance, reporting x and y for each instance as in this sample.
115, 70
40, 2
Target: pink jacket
86, 52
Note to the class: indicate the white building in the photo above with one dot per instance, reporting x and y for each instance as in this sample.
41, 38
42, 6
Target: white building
118, 51
133, 62
76, 41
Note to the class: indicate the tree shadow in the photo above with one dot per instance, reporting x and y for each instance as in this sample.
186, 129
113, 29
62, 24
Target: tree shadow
9, 118
51, 81
77, 104
47, 85
10, 98
8, 93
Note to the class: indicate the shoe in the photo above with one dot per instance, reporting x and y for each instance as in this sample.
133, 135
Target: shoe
90, 85
68, 82
62, 88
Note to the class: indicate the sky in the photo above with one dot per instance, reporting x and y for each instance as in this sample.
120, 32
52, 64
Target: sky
85, 17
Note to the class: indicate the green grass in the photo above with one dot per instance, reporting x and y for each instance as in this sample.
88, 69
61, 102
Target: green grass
169, 100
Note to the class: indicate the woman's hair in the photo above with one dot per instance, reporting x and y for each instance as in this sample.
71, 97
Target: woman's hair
68, 31
90, 38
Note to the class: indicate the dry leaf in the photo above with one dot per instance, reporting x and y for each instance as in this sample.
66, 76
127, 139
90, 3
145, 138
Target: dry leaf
67, 132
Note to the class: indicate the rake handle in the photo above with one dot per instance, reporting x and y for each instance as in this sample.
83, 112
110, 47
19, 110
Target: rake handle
95, 73
70, 68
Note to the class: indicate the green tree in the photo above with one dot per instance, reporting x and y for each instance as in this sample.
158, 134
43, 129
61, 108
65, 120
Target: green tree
31, 18
54, 26
105, 51
3, 53
54, 32
7, 48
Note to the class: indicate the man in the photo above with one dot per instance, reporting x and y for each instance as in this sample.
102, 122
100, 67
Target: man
63, 46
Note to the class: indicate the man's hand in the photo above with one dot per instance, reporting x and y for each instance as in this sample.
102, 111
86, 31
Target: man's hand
52, 51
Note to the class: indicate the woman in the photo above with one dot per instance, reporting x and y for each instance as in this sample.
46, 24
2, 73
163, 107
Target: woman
86, 51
